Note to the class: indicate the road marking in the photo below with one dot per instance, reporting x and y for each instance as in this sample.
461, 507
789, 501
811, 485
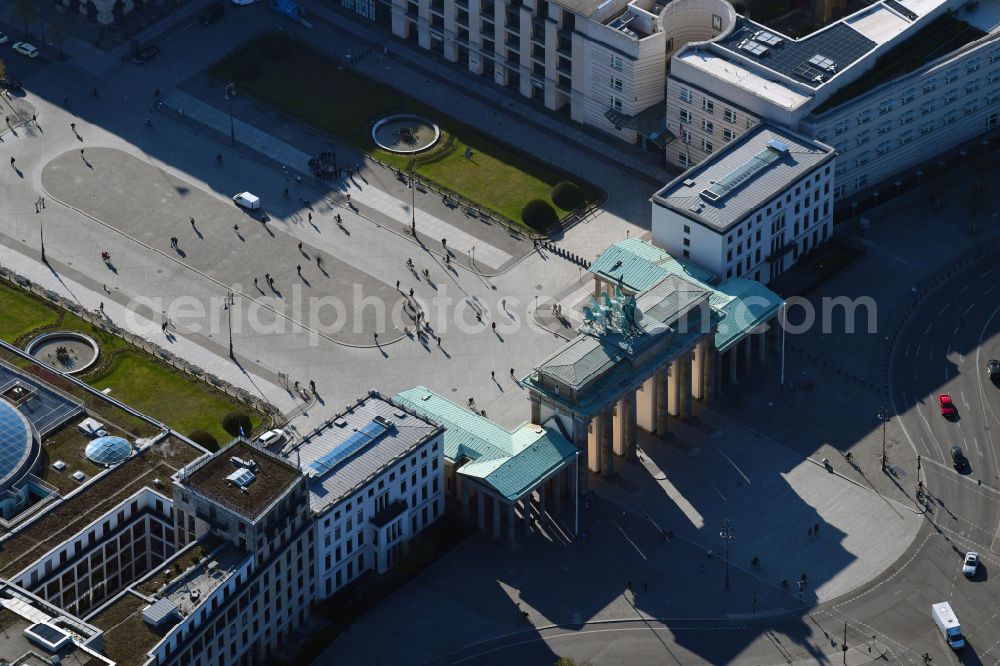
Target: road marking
906, 354
964, 401
963, 289
928, 329
716, 489
745, 477
969, 308
989, 290
957, 326
917, 355
942, 311
975, 440
985, 274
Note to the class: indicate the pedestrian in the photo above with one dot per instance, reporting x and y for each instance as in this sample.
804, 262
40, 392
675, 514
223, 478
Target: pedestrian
319, 261
810, 532
72, 126
348, 200
397, 285
300, 246
439, 342
816, 529
267, 278
255, 283
512, 372
43, 203
310, 217
102, 307
192, 223
34, 118
493, 375
270, 281
298, 269
81, 154
36, 206
411, 292
357, 167
12, 160
376, 337
236, 228
312, 385
163, 327
494, 325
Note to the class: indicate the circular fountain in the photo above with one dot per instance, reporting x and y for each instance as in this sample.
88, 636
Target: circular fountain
405, 134
68, 352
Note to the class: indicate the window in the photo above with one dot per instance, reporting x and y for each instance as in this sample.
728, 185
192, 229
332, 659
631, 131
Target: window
840, 147
905, 137
949, 118
685, 95
971, 87
707, 125
687, 242
993, 76
971, 107
929, 86
685, 116
840, 128
864, 117
906, 118
864, 137
839, 191
926, 107
883, 128
972, 66
950, 96
728, 135
926, 128
992, 96
951, 76
729, 115
994, 55
882, 148
991, 120
907, 96
687, 229
617, 64
750, 123
616, 83
707, 105
861, 181
706, 145
616, 103
682, 159
884, 107
862, 159
685, 136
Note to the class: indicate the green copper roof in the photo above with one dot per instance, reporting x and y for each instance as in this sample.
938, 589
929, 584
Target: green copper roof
509, 462
639, 265
745, 305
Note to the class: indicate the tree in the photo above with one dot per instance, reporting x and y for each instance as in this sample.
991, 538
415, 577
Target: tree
26, 12
235, 422
568, 196
539, 214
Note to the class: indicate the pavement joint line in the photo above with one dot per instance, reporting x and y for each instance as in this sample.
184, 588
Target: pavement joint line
174, 116
214, 280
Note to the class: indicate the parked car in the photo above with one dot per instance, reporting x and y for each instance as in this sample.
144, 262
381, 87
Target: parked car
971, 564
271, 437
958, 458
243, 3
948, 409
993, 369
4, 38
213, 14
10, 85
25, 49
145, 54
247, 200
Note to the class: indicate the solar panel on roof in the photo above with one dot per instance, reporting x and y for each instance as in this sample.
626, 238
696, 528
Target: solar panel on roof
754, 48
241, 477
359, 440
822, 62
766, 37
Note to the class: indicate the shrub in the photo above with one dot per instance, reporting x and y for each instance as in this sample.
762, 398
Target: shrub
539, 215
233, 422
568, 196
205, 439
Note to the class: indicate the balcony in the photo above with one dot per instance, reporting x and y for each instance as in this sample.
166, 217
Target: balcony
513, 20
564, 46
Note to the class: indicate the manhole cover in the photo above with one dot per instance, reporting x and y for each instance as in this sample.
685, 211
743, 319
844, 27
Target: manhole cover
454, 390
538, 287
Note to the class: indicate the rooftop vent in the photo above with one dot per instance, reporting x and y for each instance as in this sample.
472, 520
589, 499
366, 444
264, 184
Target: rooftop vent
159, 613
48, 636
241, 478
774, 151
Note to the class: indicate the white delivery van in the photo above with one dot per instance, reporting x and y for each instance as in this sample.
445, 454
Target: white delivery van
247, 200
947, 622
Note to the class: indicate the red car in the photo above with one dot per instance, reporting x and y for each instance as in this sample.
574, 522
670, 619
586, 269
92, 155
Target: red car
947, 406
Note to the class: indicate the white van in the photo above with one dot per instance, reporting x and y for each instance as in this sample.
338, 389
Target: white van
247, 200
947, 622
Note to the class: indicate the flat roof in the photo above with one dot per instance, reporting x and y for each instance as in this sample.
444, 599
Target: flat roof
193, 586
128, 639
46, 408
744, 195
735, 74
64, 519
328, 484
272, 477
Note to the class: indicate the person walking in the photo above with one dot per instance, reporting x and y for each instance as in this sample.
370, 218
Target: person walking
493, 375
397, 285
72, 126
411, 292
12, 160
81, 154
298, 269
255, 283
101, 307
192, 223
236, 228
494, 325
310, 217
512, 373
267, 278
300, 246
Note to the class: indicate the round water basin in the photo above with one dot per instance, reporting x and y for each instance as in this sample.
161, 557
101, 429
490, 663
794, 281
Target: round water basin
66, 351
405, 134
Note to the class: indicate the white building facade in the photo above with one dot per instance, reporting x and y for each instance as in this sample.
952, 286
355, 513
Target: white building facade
839, 86
376, 479
751, 209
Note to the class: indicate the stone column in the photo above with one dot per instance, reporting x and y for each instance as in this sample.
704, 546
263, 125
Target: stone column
762, 348
685, 385
673, 401
662, 425
424, 24
606, 441
733, 362
496, 517
557, 486
710, 362
511, 523
580, 436
698, 371
536, 409
541, 503
630, 435
481, 509
745, 343
526, 511
464, 493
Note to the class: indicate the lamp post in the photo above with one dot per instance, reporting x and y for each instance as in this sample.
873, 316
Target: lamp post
883, 416
41, 235
727, 535
230, 94
228, 307
413, 206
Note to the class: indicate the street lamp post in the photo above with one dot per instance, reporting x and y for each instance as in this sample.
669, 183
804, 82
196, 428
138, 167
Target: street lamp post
230, 301
883, 416
230, 94
41, 235
727, 535
413, 206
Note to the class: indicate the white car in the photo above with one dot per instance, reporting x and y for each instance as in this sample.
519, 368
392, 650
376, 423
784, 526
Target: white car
4, 38
25, 49
243, 2
971, 564
271, 437
247, 200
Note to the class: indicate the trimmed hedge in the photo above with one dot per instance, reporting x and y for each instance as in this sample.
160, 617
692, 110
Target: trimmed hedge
205, 439
539, 215
568, 196
233, 422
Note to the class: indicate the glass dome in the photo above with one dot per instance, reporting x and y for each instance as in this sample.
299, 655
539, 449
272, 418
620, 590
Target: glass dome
15, 444
108, 450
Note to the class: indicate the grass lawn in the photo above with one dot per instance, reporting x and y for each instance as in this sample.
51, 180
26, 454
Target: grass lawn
312, 86
135, 378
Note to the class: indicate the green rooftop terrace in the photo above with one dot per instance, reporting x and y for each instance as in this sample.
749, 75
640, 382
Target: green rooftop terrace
127, 638
940, 37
